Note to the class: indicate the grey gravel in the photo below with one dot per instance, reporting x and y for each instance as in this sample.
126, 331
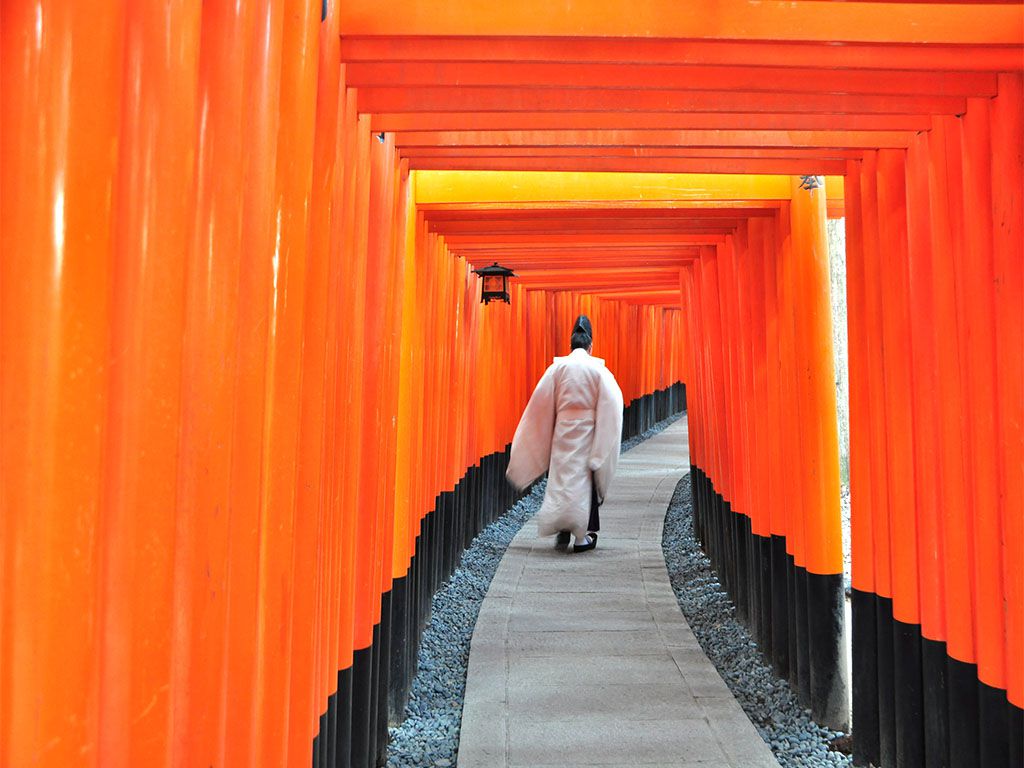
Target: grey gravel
657, 429
429, 733
769, 702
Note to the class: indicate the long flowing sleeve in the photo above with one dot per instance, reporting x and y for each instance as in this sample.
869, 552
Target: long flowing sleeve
604, 455
531, 446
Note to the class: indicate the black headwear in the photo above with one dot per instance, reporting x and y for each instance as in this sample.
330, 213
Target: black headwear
582, 333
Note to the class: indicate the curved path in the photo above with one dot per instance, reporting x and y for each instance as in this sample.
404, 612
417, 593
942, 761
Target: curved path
587, 660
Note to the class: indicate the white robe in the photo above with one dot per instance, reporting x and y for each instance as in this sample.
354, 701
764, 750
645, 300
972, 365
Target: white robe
571, 429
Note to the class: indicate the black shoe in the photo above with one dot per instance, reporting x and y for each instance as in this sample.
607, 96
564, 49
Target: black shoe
562, 541
591, 543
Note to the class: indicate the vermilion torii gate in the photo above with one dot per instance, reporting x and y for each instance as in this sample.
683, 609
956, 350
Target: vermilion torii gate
246, 378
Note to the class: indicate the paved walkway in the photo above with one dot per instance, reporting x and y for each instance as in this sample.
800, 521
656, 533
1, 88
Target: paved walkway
587, 660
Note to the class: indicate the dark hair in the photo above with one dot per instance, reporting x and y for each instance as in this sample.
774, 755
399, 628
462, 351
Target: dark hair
582, 333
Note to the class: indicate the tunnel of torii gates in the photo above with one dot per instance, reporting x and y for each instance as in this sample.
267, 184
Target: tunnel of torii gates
253, 409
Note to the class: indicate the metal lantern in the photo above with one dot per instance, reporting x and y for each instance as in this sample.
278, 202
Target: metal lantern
495, 279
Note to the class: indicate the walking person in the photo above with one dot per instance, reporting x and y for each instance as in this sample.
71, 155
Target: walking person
571, 429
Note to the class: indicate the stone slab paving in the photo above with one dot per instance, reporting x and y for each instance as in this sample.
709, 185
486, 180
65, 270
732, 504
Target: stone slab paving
586, 660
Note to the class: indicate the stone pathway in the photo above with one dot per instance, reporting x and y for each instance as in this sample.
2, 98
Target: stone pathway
587, 660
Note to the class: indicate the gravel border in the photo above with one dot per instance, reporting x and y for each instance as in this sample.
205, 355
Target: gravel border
768, 701
429, 734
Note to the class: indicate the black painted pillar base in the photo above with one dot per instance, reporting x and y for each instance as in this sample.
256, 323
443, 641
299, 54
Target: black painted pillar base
803, 670
829, 684
908, 697
362, 684
384, 678
865, 679
780, 607
963, 714
343, 743
400, 673
935, 695
993, 727
886, 694
764, 579
791, 619
1015, 729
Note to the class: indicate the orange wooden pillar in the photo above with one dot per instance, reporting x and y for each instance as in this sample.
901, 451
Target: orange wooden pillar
1007, 126
763, 502
393, 237
209, 356
748, 291
791, 439
355, 633
721, 526
977, 309
154, 190
310, 687
58, 229
406, 524
370, 510
285, 317
900, 437
874, 259
695, 396
777, 500
332, 168
945, 198
734, 488
933, 722
819, 457
343, 492
249, 395
864, 625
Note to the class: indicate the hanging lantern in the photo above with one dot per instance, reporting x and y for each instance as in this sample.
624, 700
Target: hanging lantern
495, 286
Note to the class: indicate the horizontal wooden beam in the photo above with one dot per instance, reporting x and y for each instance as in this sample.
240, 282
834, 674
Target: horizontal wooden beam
513, 99
767, 206
634, 76
805, 20
569, 260
570, 282
667, 277
657, 138
641, 296
791, 153
522, 263
716, 165
575, 225
497, 190
639, 240
561, 121
983, 57
499, 216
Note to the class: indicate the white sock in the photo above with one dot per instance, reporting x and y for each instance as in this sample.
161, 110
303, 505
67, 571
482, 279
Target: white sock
584, 541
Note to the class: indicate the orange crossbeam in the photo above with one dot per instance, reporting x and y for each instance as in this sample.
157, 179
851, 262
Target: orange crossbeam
633, 241
755, 53
717, 165
513, 99
655, 138
577, 225
479, 120
804, 20
634, 76
471, 213
782, 153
